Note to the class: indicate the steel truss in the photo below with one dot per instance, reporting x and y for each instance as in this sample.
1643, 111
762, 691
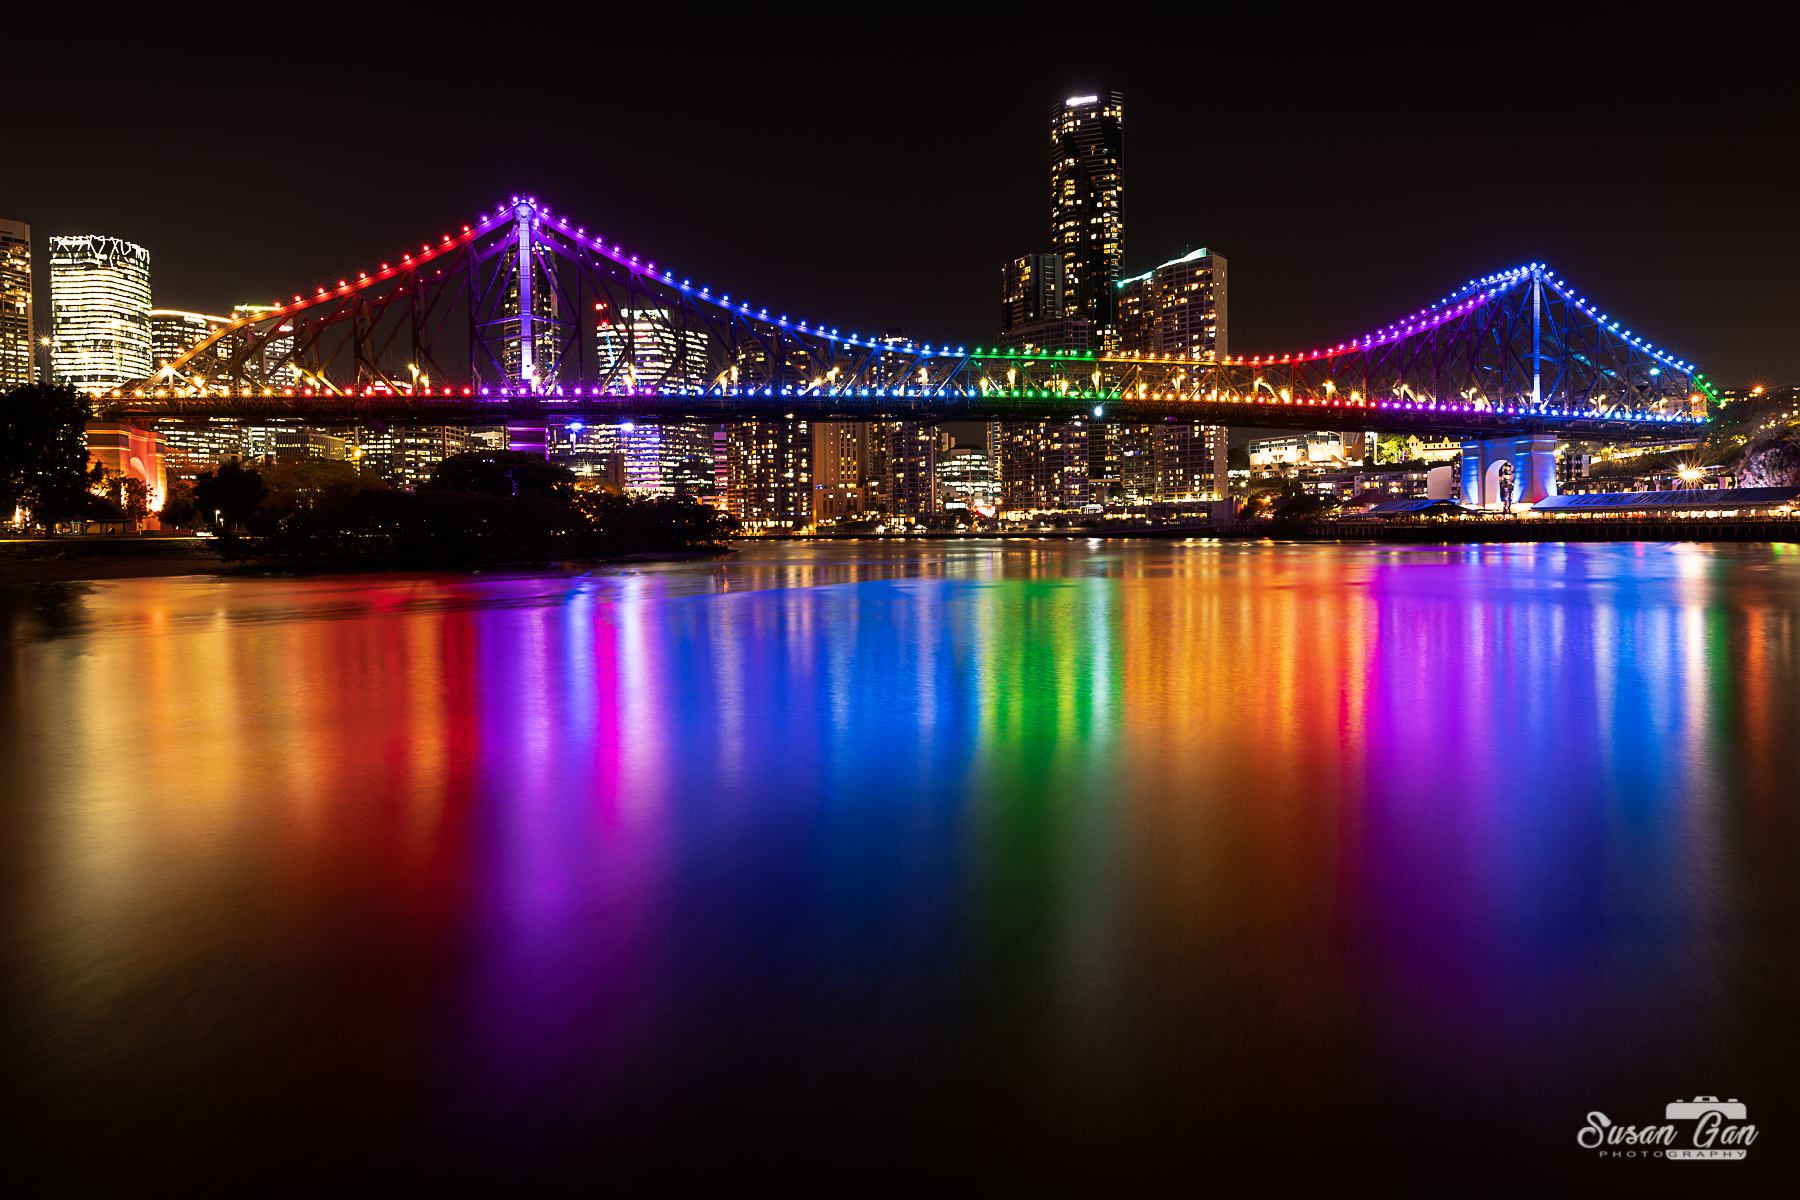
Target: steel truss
504, 323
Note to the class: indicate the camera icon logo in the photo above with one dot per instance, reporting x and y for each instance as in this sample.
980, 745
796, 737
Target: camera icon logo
1699, 1106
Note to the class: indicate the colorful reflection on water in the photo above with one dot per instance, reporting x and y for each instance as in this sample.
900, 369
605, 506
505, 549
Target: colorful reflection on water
1037, 856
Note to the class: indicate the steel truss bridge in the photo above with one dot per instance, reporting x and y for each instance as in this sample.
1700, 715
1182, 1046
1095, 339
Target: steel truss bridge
524, 317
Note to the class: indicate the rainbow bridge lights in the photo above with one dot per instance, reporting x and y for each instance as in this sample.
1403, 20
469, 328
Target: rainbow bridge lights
524, 314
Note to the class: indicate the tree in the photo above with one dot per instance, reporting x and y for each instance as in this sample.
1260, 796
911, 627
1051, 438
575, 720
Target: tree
179, 511
121, 498
502, 473
43, 453
231, 494
1237, 459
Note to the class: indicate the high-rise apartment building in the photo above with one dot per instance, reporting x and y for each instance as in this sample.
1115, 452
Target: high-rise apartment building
99, 311
837, 457
910, 478
1031, 290
1087, 225
1171, 461
1178, 309
764, 473
18, 331
1044, 465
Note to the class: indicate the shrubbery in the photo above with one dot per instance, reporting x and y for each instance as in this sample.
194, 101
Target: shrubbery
484, 506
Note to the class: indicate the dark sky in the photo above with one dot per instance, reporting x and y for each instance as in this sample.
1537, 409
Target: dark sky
874, 175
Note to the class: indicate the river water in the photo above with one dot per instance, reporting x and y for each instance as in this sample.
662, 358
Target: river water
1069, 861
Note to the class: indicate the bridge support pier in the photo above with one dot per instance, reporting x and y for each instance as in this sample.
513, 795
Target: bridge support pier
530, 437
1533, 459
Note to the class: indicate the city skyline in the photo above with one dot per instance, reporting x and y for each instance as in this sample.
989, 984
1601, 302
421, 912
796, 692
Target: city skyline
1340, 197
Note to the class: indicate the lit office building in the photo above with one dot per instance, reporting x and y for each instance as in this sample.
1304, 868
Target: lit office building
270, 365
291, 445
190, 448
838, 450
661, 460
1178, 309
100, 311
1087, 225
173, 333
18, 332
547, 332
764, 473
590, 451
966, 480
643, 347
404, 455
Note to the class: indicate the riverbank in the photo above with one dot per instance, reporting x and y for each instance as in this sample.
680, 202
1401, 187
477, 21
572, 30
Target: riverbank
66, 559
76, 559
1712, 529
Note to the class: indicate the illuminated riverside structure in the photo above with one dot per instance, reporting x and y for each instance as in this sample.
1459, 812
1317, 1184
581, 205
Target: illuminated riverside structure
100, 312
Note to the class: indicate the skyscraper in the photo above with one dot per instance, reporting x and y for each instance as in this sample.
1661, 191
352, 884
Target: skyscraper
1032, 307
1087, 225
645, 347
1178, 309
18, 335
1031, 290
174, 332
764, 472
267, 365
837, 462
99, 311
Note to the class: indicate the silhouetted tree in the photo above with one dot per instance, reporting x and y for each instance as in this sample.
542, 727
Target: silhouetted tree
179, 511
502, 473
43, 453
231, 493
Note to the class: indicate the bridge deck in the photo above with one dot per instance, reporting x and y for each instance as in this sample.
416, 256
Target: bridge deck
1298, 414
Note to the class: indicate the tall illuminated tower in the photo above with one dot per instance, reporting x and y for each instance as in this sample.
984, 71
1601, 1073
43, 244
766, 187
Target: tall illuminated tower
18, 336
99, 311
1087, 224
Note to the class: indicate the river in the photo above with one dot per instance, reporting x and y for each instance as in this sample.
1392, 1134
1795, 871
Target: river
1011, 860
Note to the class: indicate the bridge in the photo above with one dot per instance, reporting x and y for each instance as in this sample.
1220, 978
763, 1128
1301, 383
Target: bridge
524, 318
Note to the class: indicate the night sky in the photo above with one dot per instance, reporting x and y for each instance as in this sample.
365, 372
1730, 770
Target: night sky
874, 175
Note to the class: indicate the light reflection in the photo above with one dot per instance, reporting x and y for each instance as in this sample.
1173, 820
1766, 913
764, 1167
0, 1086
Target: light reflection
1199, 815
